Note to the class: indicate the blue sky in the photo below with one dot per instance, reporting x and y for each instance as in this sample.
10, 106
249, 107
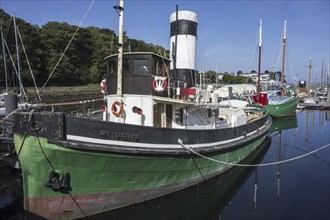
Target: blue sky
227, 30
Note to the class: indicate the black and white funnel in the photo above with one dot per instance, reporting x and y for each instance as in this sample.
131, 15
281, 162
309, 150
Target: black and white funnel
183, 46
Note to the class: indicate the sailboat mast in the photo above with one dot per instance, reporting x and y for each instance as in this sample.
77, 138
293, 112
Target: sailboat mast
309, 76
4, 59
259, 62
283, 57
120, 49
18, 62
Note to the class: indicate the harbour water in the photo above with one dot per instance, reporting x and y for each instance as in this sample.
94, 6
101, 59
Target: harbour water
291, 181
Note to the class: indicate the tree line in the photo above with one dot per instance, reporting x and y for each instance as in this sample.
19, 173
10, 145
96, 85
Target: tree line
83, 61
212, 77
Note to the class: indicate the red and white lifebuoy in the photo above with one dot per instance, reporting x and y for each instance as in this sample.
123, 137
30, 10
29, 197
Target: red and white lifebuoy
159, 83
103, 86
117, 108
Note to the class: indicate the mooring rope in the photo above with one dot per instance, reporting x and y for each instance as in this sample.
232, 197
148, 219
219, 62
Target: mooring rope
250, 165
43, 152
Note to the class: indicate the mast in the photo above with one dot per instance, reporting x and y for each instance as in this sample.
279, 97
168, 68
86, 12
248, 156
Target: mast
259, 62
322, 74
4, 60
328, 86
283, 57
120, 48
309, 76
18, 62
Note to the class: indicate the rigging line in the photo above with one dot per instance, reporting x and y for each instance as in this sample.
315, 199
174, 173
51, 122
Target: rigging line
163, 56
12, 61
28, 62
253, 58
251, 165
43, 152
256, 51
147, 14
5, 118
266, 57
60, 109
277, 60
289, 57
154, 33
68, 45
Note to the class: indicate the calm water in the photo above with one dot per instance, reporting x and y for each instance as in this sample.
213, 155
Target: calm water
298, 189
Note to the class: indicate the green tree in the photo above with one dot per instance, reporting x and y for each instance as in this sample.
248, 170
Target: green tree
228, 78
210, 77
82, 62
55, 38
104, 43
27, 37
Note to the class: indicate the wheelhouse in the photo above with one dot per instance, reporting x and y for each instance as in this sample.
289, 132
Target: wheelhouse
139, 71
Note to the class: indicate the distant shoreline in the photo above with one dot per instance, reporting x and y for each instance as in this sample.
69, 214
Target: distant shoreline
64, 93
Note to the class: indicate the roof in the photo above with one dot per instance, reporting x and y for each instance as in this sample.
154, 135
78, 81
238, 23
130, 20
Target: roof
239, 89
138, 53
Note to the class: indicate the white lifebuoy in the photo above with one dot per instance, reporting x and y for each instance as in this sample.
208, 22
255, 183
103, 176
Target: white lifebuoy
159, 84
103, 86
117, 108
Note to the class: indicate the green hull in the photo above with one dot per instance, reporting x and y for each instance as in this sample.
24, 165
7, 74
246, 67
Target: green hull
283, 109
203, 201
103, 181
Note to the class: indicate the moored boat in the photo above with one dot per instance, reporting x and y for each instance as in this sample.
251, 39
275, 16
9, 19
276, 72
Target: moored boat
281, 108
155, 127
277, 105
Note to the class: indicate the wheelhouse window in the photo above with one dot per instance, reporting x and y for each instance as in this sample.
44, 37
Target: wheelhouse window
141, 66
112, 67
158, 67
126, 66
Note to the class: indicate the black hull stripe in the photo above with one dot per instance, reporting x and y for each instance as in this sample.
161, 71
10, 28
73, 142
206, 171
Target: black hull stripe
139, 148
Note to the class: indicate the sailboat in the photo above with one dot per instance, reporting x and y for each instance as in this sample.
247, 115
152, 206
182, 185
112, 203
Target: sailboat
277, 105
157, 136
5, 92
8, 100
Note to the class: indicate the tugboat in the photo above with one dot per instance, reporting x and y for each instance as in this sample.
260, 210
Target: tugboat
159, 134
